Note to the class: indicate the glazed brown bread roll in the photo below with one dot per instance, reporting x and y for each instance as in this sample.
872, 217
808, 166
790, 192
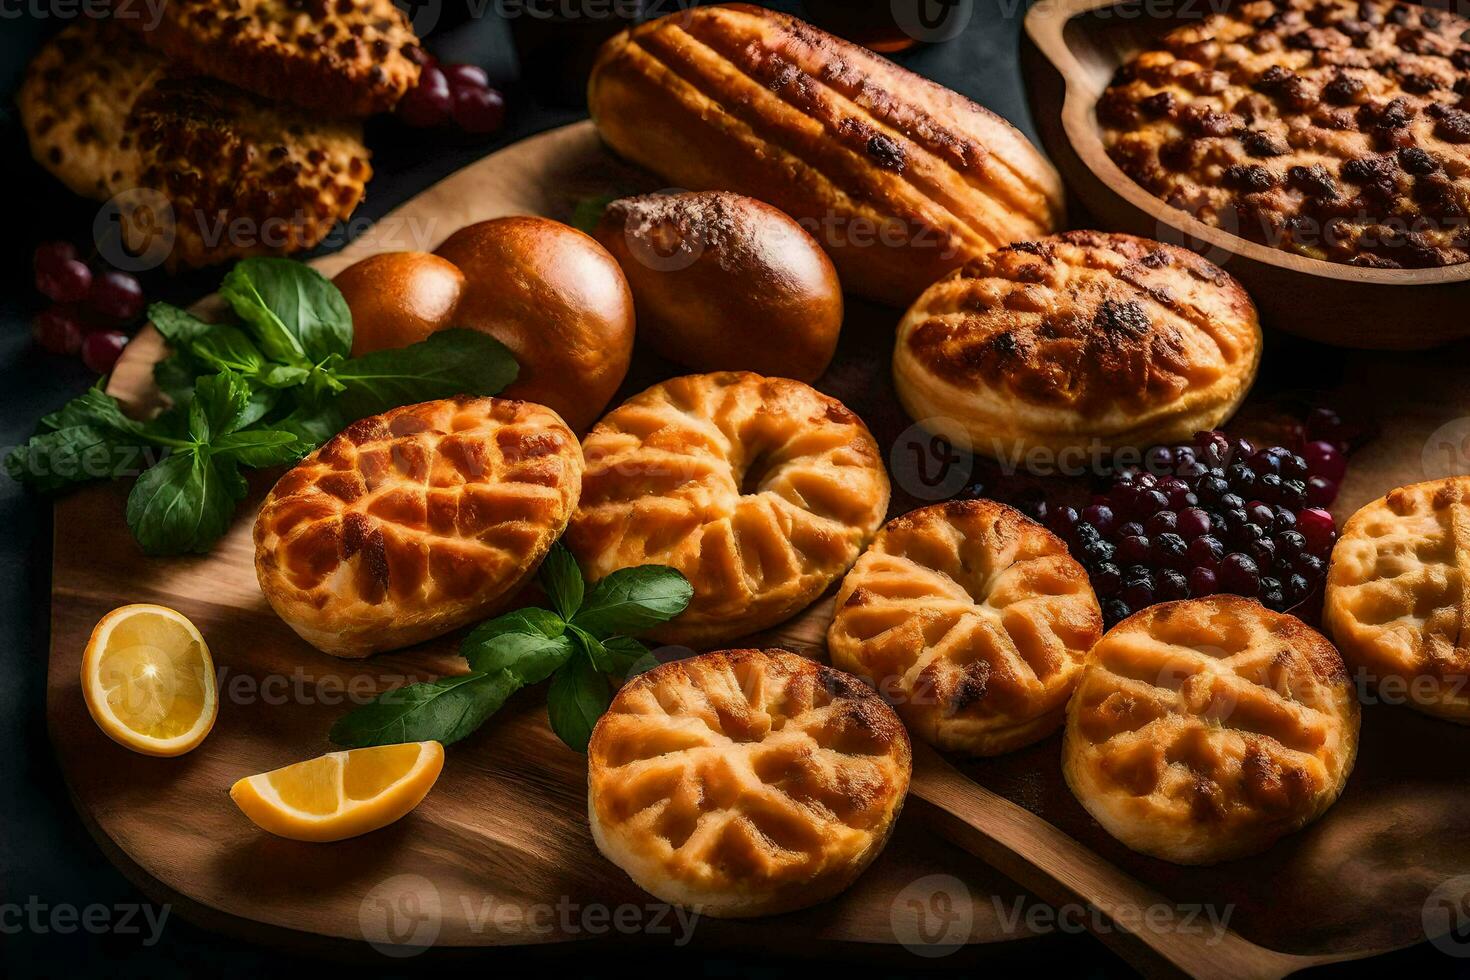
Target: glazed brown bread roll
550, 293
724, 282
900, 179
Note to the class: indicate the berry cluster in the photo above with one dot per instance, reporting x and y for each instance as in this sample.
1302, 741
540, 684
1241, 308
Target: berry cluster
1217, 515
458, 94
92, 306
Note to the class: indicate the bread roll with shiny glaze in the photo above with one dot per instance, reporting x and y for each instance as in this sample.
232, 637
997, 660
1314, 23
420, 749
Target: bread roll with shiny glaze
725, 282
547, 291
900, 179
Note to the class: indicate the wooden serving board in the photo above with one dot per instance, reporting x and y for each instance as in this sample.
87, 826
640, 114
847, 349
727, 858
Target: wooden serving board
501, 846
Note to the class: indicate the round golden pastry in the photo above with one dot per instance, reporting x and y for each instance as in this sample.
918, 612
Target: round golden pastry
745, 782
972, 620
412, 523
761, 491
1207, 729
1396, 601
1081, 340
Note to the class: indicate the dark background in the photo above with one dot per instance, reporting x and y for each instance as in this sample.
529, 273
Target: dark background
45, 852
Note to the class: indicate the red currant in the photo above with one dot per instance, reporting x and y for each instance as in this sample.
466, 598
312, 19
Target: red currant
102, 348
58, 330
1325, 461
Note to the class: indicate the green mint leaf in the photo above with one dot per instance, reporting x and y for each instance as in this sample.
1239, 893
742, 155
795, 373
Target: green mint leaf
448, 363
578, 696
285, 376
227, 348
445, 710
96, 408
529, 643
179, 328
593, 648
259, 447
627, 657
562, 580
313, 425
53, 461
220, 406
175, 376
632, 600
299, 317
183, 504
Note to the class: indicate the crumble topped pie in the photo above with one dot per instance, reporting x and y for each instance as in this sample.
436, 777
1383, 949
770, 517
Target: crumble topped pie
1335, 129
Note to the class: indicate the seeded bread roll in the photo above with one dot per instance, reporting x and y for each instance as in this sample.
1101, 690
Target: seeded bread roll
899, 179
724, 282
1335, 129
345, 57
1079, 341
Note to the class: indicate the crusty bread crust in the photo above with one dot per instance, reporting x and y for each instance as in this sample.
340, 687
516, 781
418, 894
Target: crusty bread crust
900, 179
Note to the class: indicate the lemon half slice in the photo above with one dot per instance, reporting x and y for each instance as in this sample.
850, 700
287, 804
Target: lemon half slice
148, 680
341, 794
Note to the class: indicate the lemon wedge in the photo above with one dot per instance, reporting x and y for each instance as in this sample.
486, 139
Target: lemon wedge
148, 680
341, 794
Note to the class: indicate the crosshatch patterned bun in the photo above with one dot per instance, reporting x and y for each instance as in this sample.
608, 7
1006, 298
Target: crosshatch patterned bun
973, 620
415, 522
1207, 729
761, 491
1079, 337
114, 120
1396, 599
745, 782
344, 57
1335, 129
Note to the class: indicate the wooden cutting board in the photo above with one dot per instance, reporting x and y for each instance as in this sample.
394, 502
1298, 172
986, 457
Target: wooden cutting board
500, 854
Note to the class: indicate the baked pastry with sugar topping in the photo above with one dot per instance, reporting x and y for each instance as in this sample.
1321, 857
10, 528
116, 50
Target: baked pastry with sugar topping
412, 523
761, 491
200, 172
1207, 729
345, 57
1079, 340
1336, 129
745, 782
1396, 601
972, 620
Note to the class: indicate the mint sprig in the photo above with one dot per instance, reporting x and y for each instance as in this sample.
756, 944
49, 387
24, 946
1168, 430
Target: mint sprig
259, 393
577, 646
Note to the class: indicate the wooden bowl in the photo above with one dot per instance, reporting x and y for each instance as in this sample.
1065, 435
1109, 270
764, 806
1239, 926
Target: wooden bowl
1070, 50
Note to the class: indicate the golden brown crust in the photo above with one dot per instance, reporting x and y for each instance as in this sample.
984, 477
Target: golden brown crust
344, 57
1206, 729
761, 491
75, 100
972, 620
726, 282
1396, 600
415, 522
1082, 336
745, 782
241, 177
1336, 129
899, 179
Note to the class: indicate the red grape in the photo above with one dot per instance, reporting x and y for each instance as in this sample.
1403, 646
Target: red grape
478, 110
466, 76
116, 296
50, 255
430, 102
102, 348
64, 280
58, 330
